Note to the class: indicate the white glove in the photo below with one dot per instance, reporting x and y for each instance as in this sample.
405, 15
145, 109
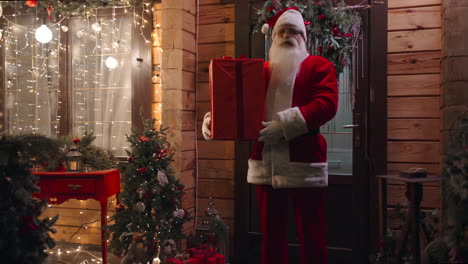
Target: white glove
272, 133
206, 132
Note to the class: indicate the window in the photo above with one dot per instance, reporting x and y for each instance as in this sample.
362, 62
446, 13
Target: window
85, 79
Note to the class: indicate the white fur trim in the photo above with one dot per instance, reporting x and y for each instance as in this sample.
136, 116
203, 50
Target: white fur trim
291, 175
292, 123
265, 28
257, 173
299, 175
291, 17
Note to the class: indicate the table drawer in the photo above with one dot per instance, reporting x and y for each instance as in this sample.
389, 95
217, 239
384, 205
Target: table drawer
75, 186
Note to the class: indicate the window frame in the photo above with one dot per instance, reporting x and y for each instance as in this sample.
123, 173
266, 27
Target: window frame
141, 72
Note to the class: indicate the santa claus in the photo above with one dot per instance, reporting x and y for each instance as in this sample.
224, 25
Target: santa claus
289, 160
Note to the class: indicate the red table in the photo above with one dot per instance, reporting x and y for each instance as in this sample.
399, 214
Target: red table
58, 187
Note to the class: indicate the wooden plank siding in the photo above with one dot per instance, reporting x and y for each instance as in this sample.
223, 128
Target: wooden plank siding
215, 158
179, 64
413, 128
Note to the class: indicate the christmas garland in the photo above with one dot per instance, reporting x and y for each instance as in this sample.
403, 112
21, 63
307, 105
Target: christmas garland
68, 8
332, 31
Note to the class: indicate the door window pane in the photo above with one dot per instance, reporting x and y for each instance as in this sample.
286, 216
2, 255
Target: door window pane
339, 139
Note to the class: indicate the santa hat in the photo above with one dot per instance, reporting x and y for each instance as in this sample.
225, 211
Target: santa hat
290, 16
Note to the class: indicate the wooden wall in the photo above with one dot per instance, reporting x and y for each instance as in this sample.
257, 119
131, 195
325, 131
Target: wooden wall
178, 93
414, 52
215, 158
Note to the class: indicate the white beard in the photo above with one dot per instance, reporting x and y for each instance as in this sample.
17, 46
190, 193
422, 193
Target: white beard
285, 63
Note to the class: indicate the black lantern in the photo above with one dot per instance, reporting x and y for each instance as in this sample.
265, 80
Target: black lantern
212, 226
74, 160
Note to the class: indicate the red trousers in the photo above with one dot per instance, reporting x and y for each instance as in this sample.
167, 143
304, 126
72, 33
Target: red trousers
309, 212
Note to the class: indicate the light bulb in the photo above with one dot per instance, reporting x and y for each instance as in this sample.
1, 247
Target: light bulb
155, 78
111, 62
80, 33
115, 44
9, 84
96, 27
43, 34
64, 28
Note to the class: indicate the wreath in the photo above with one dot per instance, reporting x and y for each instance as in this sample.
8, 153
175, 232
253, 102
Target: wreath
332, 31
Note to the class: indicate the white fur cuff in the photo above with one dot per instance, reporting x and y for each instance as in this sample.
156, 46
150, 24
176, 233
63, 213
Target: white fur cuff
292, 123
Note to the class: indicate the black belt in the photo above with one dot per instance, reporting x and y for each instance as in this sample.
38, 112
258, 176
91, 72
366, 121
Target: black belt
312, 132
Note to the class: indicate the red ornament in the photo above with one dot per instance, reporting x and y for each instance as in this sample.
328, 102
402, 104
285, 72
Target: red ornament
319, 3
49, 11
348, 35
147, 195
322, 17
306, 23
271, 8
119, 207
320, 49
76, 140
335, 31
161, 155
331, 48
142, 170
143, 139
32, 3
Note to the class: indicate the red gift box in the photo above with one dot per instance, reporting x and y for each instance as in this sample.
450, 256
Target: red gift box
183, 261
220, 259
237, 94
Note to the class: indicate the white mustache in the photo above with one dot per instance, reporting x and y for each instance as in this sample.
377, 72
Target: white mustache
290, 40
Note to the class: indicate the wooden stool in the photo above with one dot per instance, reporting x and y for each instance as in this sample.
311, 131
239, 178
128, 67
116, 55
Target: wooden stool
411, 227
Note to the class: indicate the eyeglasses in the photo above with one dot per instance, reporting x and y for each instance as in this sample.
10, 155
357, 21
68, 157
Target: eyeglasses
290, 30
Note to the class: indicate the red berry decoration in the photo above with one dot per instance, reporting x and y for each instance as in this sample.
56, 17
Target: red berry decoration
271, 8
143, 139
319, 3
32, 3
76, 140
119, 207
49, 11
322, 17
331, 48
335, 31
306, 23
348, 35
142, 170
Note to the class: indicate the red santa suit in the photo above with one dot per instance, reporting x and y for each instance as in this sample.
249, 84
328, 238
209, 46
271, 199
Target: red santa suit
301, 159
295, 167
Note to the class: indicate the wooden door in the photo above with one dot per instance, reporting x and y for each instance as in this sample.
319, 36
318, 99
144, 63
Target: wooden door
351, 195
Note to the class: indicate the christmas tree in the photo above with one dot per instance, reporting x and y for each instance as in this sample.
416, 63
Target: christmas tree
149, 213
24, 237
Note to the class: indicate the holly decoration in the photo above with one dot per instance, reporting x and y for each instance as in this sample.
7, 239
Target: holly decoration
67, 9
31, 3
334, 27
150, 210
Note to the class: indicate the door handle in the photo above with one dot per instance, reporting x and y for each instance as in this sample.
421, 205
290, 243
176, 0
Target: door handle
350, 126
74, 186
